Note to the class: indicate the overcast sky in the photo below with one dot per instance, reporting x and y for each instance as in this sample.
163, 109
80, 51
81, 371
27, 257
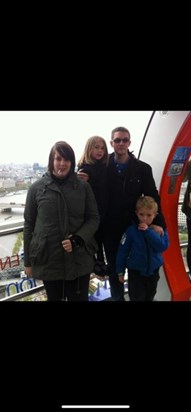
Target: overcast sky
27, 136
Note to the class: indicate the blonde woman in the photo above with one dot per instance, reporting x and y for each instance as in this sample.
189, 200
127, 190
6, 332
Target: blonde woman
92, 167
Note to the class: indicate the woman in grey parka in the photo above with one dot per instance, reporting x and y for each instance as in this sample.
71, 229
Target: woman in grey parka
61, 217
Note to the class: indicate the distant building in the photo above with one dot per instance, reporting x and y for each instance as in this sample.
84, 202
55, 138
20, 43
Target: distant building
20, 182
6, 183
37, 168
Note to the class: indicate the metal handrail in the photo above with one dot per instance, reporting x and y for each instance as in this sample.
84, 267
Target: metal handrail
11, 229
20, 295
19, 228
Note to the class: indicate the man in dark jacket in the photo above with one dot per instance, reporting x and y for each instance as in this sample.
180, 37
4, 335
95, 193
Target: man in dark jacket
127, 179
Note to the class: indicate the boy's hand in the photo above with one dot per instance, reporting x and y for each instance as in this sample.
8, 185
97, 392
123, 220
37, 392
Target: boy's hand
142, 226
158, 229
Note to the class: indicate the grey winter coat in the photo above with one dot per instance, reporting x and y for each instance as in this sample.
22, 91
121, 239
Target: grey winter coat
52, 212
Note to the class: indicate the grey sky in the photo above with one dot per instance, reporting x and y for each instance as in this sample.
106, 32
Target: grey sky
27, 136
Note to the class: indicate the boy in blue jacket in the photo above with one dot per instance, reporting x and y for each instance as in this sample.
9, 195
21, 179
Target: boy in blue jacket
140, 250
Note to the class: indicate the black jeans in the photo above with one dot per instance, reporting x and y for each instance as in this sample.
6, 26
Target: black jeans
99, 239
142, 288
74, 290
117, 288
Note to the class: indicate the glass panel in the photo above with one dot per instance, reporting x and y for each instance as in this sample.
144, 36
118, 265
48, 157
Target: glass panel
182, 226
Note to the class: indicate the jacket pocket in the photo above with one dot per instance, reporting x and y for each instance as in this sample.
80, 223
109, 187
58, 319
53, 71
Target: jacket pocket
91, 247
39, 251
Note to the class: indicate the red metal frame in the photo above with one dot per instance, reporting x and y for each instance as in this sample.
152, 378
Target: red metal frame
174, 268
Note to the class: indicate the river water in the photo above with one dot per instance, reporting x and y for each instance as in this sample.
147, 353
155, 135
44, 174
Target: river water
7, 217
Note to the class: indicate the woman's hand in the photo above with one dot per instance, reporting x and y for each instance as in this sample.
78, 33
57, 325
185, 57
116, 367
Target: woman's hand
28, 271
67, 245
73, 242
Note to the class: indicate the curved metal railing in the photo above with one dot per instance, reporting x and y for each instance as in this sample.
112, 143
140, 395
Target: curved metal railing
34, 289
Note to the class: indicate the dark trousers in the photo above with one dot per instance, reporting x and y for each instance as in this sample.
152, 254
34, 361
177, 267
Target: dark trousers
111, 246
188, 221
99, 240
142, 288
74, 290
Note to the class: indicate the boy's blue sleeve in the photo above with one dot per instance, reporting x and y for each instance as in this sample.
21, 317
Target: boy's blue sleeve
158, 242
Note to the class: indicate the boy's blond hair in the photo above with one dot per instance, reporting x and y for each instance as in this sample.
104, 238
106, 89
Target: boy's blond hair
147, 202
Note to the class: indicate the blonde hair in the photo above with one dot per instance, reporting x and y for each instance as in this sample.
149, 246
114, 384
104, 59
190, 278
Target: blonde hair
147, 202
90, 144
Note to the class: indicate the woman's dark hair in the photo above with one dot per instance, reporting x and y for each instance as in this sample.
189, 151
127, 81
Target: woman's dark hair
65, 150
